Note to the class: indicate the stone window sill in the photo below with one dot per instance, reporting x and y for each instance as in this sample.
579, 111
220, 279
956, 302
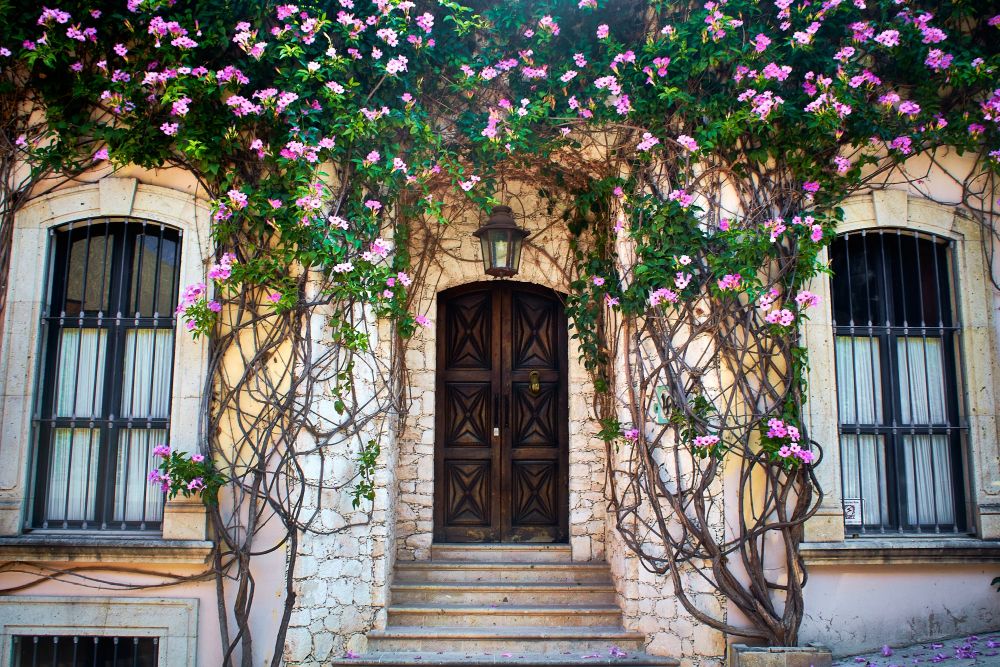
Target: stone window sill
78, 547
901, 551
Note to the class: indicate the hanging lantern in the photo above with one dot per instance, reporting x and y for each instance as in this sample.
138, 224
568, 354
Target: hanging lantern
501, 239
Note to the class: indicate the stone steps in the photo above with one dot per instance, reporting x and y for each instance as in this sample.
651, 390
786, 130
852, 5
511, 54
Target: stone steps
477, 640
510, 553
518, 604
458, 659
480, 616
455, 571
486, 593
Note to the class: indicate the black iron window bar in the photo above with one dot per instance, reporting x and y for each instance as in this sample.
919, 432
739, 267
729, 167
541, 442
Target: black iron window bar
900, 414
85, 651
104, 397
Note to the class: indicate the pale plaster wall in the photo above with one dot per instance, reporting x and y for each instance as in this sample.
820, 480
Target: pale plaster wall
104, 610
859, 608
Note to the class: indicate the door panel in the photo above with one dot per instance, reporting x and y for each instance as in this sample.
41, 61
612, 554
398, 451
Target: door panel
501, 424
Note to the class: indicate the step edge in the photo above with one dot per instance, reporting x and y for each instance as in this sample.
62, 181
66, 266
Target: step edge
507, 585
530, 610
560, 631
501, 564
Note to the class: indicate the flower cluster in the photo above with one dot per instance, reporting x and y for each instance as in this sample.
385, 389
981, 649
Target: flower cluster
781, 441
179, 473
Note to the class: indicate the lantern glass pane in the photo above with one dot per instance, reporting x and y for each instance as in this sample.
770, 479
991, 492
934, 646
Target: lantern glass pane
484, 243
501, 250
516, 253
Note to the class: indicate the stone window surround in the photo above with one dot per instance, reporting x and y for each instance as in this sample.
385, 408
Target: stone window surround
184, 519
825, 533
173, 620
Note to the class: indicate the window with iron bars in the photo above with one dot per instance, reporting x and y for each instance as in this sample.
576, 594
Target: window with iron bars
84, 651
103, 402
896, 333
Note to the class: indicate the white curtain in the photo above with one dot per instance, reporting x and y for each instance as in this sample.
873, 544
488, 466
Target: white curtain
80, 374
921, 380
862, 461
146, 374
859, 380
135, 498
72, 483
927, 458
929, 498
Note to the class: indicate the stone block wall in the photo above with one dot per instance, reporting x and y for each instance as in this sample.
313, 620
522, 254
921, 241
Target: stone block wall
345, 558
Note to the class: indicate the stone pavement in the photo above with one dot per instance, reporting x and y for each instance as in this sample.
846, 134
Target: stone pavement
981, 650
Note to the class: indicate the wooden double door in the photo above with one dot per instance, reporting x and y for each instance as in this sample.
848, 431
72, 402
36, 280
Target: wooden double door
501, 443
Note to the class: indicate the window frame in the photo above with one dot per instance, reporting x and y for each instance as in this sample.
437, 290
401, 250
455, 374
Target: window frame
184, 519
122, 234
978, 361
888, 334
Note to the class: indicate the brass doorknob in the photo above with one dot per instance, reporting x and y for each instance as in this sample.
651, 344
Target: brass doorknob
534, 385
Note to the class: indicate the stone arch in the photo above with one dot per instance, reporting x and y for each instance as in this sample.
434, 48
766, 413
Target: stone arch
458, 262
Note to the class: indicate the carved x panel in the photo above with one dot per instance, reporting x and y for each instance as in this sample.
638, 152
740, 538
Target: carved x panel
533, 491
467, 493
534, 418
534, 332
466, 407
468, 331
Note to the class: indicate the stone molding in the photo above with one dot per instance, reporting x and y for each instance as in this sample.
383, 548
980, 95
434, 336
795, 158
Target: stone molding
174, 621
893, 209
901, 551
82, 548
21, 336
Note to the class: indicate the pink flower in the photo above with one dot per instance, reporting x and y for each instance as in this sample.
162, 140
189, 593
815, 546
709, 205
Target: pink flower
373, 205
888, 38
631, 434
663, 294
817, 233
783, 317
598, 281
687, 142
274, 297
195, 484
806, 299
648, 141
811, 186
731, 281
602, 31
162, 451
902, 144
197, 458
422, 321
101, 154
169, 129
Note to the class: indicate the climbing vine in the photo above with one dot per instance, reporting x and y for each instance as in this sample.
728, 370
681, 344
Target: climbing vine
703, 150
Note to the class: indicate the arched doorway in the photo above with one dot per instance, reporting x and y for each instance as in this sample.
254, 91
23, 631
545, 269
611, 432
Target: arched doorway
501, 431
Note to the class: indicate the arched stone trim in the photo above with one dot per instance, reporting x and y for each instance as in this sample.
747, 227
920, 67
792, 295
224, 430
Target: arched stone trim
896, 209
18, 358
